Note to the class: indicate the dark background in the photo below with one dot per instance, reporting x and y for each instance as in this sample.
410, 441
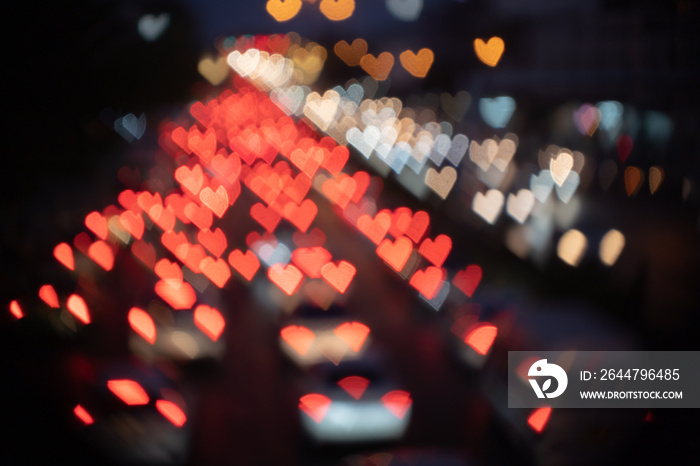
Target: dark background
75, 65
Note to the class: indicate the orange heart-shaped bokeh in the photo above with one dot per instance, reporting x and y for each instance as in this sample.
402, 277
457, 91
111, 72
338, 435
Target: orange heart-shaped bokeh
397, 402
209, 320
145, 252
337, 10
201, 216
142, 324
245, 264
634, 177
352, 334
214, 241
539, 417
301, 215
215, 270
340, 190
283, 10
315, 237
47, 293
169, 271
395, 253
64, 254
311, 260
217, 201
171, 412
468, 280
354, 385
379, 67
177, 297
338, 276
287, 278
97, 224
351, 54
374, 228
164, 217
437, 250
414, 226
76, 305
298, 337
427, 281
190, 179
489, 52
481, 337
191, 255
133, 223
418, 64
102, 254
315, 406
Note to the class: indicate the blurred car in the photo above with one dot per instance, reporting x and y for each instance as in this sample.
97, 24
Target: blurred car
354, 402
134, 415
350, 395
315, 336
178, 336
